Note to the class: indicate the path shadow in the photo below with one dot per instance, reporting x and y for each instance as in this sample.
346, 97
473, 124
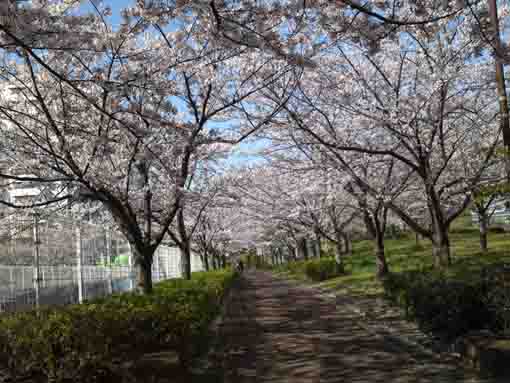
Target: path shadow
275, 332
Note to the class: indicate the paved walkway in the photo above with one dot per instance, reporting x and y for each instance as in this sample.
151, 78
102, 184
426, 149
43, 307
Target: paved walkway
275, 331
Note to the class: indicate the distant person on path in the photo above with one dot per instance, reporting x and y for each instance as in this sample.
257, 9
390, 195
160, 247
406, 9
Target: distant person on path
240, 266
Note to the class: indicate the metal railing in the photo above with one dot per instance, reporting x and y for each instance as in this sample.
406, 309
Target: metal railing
56, 261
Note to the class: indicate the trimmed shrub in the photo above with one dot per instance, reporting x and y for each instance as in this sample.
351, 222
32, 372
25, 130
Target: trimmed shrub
496, 229
496, 278
393, 231
321, 269
86, 342
445, 307
467, 230
315, 269
297, 267
262, 264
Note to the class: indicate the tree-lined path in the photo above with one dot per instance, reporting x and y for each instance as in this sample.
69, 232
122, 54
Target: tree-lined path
275, 332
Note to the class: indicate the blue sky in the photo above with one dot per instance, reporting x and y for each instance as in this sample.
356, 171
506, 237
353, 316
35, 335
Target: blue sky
115, 5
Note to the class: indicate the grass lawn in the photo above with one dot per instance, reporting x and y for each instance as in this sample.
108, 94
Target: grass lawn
403, 254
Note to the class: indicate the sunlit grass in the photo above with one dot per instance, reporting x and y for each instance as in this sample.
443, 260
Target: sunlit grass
404, 254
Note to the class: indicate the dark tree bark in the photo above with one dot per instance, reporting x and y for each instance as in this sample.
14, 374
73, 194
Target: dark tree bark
376, 224
485, 211
304, 248
184, 245
417, 239
186, 261
339, 253
441, 250
215, 262
314, 249
143, 263
381, 264
205, 260
483, 233
379, 226
440, 236
291, 253
318, 243
368, 223
347, 244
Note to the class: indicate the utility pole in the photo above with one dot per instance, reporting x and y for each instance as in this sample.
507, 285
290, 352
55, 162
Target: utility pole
79, 271
37, 272
500, 81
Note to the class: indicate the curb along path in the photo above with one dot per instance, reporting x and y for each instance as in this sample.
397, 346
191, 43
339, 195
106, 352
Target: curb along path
275, 331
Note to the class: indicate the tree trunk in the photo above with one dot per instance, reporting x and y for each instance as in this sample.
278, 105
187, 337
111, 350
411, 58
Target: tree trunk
314, 249
186, 260
483, 232
304, 248
380, 257
205, 260
417, 239
339, 256
441, 248
369, 224
339, 251
184, 245
143, 263
291, 253
347, 248
223, 260
440, 239
318, 243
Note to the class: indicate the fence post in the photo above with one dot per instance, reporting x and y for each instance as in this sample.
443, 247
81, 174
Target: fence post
155, 261
167, 263
37, 269
180, 265
130, 267
79, 271
108, 261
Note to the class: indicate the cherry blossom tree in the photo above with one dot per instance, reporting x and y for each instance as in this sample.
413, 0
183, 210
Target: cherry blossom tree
419, 100
294, 200
392, 98
203, 218
120, 119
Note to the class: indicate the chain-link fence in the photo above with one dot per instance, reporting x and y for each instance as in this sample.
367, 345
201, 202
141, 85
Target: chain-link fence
55, 261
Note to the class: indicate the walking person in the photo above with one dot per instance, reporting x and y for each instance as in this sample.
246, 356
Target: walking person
240, 266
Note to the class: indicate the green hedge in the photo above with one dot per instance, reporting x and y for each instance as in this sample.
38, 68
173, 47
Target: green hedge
447, 307
318, 269
321, 269
85, 342
262, 264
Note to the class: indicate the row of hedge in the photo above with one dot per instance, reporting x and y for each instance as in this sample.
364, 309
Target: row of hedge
450, 308
89, 341
317, 269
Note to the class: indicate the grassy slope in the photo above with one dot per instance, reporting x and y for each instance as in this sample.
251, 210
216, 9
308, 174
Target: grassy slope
403, 254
